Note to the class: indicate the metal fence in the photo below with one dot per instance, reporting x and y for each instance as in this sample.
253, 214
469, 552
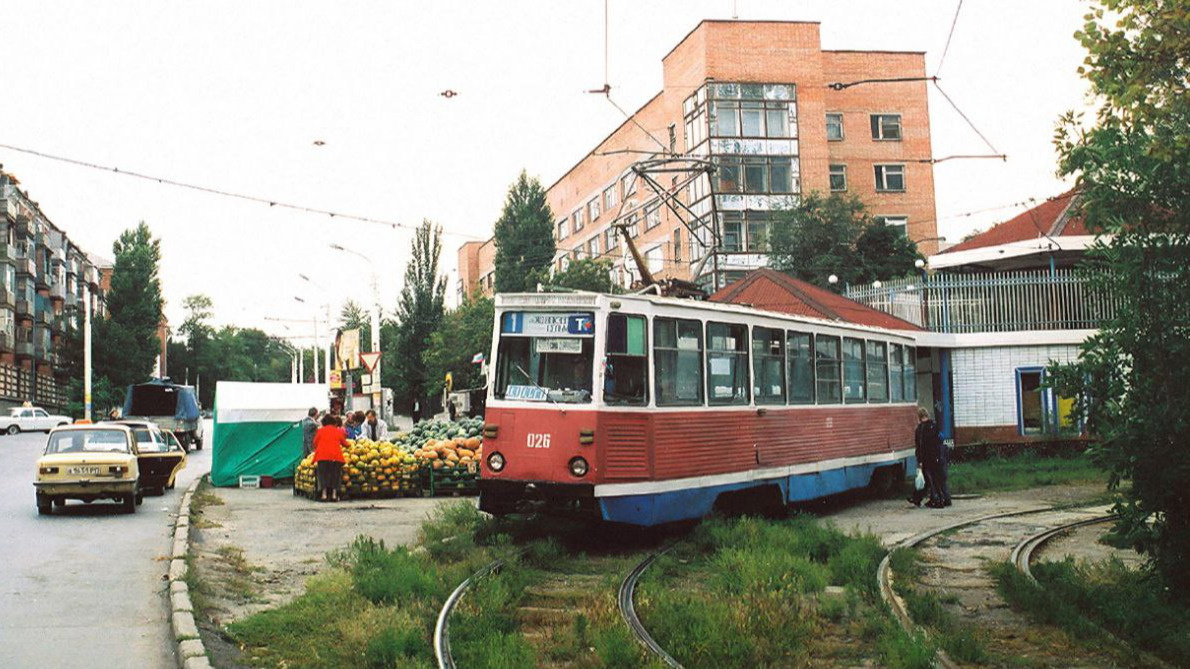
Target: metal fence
1043, 300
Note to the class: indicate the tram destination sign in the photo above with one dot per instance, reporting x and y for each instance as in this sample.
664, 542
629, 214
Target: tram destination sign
537, 324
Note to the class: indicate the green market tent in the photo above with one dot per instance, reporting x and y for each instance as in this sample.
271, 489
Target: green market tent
257, 430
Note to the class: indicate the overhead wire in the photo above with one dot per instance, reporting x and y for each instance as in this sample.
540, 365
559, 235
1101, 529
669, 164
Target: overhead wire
953, 22
209, 190
969, 122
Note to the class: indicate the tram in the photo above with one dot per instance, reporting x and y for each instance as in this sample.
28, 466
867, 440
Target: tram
646, 410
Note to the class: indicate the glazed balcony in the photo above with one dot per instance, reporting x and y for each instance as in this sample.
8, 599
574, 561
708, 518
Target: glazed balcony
962, 303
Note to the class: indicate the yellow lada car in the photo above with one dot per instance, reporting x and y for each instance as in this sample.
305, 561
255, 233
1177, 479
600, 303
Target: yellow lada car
89, 462
159, 455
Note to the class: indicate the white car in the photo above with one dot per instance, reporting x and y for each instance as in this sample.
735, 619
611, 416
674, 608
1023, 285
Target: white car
31, 419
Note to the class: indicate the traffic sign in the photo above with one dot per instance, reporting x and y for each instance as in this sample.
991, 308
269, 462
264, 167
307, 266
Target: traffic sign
370, 360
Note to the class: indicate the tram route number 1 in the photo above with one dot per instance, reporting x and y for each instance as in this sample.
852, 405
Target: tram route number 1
537, 440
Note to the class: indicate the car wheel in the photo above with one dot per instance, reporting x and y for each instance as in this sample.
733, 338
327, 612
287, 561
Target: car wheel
140, 497
13, 429
129, 503
44, 505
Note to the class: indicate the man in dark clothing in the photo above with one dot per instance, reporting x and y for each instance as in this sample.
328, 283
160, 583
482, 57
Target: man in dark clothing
928, 450
309, 427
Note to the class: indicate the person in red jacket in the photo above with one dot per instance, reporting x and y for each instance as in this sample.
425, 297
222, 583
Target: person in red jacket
329, 441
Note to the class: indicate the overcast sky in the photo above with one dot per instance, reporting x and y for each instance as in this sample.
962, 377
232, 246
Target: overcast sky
233, 95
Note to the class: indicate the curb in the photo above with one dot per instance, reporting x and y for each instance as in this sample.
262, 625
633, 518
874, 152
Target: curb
190, 652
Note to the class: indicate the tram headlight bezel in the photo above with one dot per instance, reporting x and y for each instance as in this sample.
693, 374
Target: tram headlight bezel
578, 467
496, 462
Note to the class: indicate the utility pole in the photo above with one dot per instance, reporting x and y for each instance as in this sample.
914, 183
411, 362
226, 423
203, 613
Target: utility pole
87, 355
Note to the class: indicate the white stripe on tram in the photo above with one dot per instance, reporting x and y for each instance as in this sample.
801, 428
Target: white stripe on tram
671, 485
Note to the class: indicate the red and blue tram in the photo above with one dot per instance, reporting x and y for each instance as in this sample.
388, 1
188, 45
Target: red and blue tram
647, 410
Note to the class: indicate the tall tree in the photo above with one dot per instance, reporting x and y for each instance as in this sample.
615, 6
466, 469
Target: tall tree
419, 313
1130, 379
355, 317
821, 236
524, 236
464, 332
126, 343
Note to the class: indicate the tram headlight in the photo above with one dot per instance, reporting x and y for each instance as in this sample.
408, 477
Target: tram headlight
495, 462
578, 467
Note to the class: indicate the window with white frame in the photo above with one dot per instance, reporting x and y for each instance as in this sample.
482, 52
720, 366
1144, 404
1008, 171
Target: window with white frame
654, 259
628, 185
632, 225
890, 178
755, 174
593, 247
834, 127
901, 223
886, 127
677, 245
563, 228
609, 239
838, 178
593, 210
753, 110
609, 198
652, 216
577, 219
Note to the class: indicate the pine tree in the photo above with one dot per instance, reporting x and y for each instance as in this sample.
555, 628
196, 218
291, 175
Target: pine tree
126, 343
524, 236
419, 313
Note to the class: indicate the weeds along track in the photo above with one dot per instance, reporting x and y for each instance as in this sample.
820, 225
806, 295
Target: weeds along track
950, 589
564, 603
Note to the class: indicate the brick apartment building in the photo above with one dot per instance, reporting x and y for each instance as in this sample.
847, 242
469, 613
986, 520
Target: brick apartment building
756, 99
44, 279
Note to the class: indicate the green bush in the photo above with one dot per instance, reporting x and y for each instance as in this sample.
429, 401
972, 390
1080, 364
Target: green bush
386, 576
392, 646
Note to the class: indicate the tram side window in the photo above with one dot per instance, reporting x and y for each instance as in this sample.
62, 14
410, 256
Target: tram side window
768, 365
895, 388
626, 368
853, 370
677, 361
801, 367
826, 368
727, 363
909, 374
877, 360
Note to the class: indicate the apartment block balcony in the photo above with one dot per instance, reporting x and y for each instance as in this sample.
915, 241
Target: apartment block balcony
73, 301
45, 317
7, 298
26, 266
964, 303
41, 350
23, 307
5, 342
58, 290
8, 253
24, 349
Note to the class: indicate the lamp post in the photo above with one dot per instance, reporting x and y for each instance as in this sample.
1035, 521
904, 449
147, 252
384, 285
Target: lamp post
375, 371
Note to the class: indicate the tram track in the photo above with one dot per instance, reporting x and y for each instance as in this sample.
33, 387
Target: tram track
1023, 548
624, 600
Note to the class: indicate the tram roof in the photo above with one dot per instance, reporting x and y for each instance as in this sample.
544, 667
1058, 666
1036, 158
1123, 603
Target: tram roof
762, 292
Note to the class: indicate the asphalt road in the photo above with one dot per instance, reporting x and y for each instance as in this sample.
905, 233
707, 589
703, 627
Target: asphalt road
83, 587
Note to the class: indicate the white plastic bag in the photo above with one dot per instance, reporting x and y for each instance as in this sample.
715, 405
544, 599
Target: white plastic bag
919, 482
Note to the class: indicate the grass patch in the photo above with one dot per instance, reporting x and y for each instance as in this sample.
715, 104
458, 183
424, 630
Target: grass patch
375, 606
237, 579
1130, 604
1021, 471
752, 592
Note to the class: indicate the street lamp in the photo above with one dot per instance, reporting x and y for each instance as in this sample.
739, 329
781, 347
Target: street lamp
330, 342
375, 294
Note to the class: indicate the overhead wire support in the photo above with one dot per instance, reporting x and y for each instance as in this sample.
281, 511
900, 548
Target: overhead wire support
964, 156
223, 193
838, 85
968, 120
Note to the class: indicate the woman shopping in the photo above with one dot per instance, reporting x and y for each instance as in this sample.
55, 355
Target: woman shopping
329, 441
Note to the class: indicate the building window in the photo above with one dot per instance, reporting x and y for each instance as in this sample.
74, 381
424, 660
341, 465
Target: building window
901, 223
755, 174
631, 225
677, 359
563, 232
768, 365
838, 178
886, 126
609, 198
677, 245
727, 363
593, 247
609, 239
753, 110
853, 370
745, 231
654, 260
732, 233
628, 185
593, 210
826, 369
890, 178
577, 219
834, 127
652, 216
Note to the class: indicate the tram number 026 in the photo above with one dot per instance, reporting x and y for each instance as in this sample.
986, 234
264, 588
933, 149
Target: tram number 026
537, 440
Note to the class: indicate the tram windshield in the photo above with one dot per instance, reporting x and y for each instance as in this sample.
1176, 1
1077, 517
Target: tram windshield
545, 357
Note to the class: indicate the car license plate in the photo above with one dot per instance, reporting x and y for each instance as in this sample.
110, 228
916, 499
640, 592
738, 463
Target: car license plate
83, 471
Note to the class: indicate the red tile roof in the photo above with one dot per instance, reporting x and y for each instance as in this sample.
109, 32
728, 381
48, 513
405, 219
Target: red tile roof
1053, 216
774, 291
